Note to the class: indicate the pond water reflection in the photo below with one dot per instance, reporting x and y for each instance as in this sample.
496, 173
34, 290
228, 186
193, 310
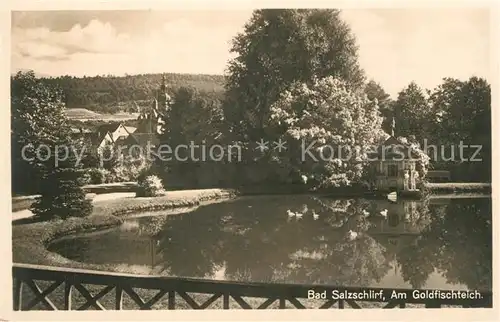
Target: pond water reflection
432, 243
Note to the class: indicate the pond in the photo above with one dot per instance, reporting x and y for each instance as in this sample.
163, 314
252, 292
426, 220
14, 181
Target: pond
431, 243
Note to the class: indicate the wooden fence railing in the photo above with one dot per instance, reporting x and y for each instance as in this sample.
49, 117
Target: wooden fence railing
168, 293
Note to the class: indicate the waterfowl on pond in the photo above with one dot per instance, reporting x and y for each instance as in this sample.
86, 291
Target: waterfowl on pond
290, 213
383, 213
353, 235
304, 179
393, 196
315, 215
299, 215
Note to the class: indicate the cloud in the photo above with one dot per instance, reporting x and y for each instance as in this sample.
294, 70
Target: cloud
98, 48
95, 37
396, 46
40, 50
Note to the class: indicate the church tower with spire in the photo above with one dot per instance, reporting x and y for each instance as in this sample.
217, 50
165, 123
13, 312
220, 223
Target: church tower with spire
151, 120
164, 100
162, 104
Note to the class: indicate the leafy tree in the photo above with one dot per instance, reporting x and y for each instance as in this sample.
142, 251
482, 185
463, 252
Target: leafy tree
411, 113
31, 103
39, 129
462, 113
277, 49
374, 91
332, 123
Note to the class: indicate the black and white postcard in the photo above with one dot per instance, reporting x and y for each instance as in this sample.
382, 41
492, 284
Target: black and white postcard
228, 157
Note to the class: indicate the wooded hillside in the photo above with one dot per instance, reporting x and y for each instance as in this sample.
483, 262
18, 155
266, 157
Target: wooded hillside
111, 94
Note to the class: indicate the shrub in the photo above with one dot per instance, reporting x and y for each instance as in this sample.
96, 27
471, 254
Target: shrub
143, 175
97, 176
129, 169
149, 186
86, 176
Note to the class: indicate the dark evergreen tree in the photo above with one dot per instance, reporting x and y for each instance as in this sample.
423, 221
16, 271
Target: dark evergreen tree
62, 195
192, 118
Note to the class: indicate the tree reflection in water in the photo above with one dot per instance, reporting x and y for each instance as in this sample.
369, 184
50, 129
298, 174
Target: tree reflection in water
457, 243
253, 239
256, 239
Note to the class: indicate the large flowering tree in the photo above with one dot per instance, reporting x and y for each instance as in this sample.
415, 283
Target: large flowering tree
421, 158
327, 128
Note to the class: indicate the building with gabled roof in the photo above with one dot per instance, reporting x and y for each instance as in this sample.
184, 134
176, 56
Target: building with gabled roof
150, 122
97, 141
393, 165
116, 130
130, 129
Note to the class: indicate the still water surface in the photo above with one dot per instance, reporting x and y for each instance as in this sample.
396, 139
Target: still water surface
432, 243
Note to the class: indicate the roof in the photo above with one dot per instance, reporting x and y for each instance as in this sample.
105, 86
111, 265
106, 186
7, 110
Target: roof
393, 149
108, 127
130, 129
94, 138
121, 140
383, 137
142, 139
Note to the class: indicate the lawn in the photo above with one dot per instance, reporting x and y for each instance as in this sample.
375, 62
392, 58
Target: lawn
81, 113
85, 114
22, 203
459, 187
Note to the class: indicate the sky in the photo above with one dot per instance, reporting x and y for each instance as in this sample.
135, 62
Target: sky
396, 46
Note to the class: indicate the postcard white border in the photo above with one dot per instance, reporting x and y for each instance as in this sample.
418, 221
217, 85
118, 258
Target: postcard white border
6, 312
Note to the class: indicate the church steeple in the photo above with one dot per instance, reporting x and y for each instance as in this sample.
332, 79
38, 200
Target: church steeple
163, 98
163, 87
152, 117
393, 126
